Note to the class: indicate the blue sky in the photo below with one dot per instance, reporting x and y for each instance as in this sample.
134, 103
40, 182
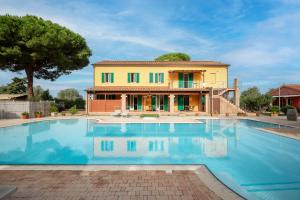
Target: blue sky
260, 39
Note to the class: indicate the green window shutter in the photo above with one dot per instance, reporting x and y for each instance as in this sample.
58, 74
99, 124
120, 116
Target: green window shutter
203, 99
137, 77
153, 102
191, 77
180, 80
128, 77
151, 77
180, 103
112, 77
139, 102
166, 103
162, 78
156, 77
102, 77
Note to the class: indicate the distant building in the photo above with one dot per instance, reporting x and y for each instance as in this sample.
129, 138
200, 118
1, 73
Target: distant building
5, 97
288, 95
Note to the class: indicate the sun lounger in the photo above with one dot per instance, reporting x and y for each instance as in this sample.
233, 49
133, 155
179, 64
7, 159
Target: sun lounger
6, 191
125, 114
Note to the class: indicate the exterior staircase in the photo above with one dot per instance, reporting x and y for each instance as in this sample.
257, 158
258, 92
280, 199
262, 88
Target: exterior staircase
228, 107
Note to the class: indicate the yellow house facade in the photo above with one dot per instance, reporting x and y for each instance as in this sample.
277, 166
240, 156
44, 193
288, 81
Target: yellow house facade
151, 86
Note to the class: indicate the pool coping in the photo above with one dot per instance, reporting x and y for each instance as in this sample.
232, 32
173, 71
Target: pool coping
201, 170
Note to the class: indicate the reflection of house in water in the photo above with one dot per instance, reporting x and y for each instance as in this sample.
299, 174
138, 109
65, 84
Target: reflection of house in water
130, 147
159, 141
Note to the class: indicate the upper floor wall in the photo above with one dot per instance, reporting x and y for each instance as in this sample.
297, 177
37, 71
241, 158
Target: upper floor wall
173, 76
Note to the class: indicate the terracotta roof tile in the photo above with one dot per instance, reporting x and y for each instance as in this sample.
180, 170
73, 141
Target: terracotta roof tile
286, 90
141, 89
203, 63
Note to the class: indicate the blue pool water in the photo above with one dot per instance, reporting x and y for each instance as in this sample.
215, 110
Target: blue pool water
256, 164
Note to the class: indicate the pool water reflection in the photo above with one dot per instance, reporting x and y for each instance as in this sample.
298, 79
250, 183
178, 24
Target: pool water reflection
255, 164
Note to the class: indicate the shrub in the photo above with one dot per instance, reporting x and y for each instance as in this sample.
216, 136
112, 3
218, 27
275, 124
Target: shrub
274, 109
25, 114
285, 108
53, 108
38, 113
73, 110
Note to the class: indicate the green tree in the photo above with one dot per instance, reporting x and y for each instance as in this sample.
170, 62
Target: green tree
69, 94
253, 100
43, 49
17, 86
173, 57
46, 96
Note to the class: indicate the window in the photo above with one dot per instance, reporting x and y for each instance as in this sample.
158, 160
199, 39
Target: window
111, 96
156, 146
107, 77
133, 77
158, 77
131, 145
100, 96
107, 145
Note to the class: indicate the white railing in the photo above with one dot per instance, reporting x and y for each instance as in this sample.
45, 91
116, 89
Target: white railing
197, 84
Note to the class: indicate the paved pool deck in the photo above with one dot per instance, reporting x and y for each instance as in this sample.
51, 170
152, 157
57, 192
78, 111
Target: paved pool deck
124, 182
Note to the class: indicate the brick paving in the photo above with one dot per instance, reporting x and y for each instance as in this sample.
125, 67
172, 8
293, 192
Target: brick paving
81, 185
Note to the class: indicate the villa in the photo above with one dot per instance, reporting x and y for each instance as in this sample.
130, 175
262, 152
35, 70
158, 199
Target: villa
165, 87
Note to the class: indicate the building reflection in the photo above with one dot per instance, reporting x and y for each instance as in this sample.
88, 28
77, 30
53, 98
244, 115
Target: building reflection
161, 140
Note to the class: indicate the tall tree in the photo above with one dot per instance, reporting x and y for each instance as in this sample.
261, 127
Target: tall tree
253, 100
43, 49
173, 57
17, 86
69, 94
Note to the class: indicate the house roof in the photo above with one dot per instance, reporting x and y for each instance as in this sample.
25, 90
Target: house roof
153, 63
286, 90
141, 89
11, 96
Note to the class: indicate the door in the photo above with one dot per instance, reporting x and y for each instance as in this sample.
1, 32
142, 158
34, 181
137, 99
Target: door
186, 102
186, 80
135, 102
180, 103
180, 80
191, 80
153, 102
139, 103
166, 103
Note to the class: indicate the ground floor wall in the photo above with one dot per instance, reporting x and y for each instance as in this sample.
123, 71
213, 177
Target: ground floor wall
100, 102
202, 101
293, 101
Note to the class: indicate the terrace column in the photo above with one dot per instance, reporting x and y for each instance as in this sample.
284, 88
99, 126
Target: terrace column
236, 93
123, 102
172, 105
207, 103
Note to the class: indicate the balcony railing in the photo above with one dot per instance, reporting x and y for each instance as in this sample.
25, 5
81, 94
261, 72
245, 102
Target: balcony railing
196, 84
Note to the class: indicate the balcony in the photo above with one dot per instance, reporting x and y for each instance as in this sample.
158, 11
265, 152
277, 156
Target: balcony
187, 84
197, 84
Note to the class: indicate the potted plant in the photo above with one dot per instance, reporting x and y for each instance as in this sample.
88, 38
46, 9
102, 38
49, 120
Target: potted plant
38, 114
274, 111
25, 115
53, 110
73, 110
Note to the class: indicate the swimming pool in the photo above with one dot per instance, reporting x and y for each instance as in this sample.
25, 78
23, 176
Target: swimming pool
256, 164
